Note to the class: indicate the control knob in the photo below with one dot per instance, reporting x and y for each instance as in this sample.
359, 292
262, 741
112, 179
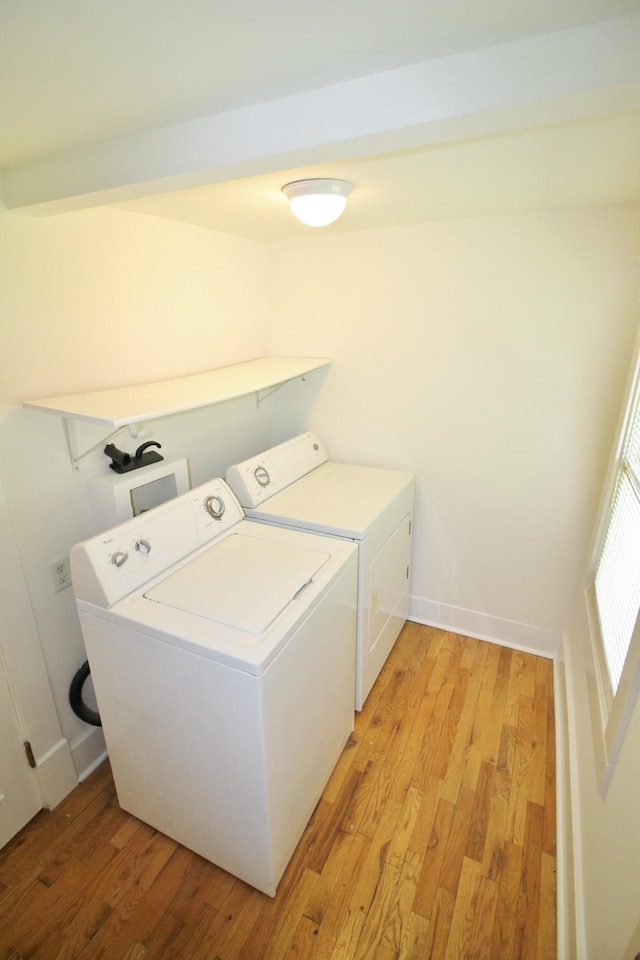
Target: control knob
262, 476
215, 507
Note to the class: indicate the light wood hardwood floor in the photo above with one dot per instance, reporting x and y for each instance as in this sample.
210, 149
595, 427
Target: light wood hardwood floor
434, 838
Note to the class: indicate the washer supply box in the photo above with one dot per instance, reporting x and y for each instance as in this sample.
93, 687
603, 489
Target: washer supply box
117, 497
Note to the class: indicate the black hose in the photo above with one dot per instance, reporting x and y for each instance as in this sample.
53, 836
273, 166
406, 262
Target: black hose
76, 702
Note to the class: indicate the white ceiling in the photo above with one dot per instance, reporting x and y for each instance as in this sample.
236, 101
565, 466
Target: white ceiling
76, 74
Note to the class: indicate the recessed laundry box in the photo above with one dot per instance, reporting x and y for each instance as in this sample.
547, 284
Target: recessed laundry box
116, 497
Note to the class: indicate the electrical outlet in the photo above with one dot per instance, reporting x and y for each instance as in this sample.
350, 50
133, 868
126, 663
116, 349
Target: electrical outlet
60, 573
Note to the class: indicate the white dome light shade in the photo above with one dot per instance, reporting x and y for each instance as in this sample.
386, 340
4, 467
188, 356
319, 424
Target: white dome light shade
317, 202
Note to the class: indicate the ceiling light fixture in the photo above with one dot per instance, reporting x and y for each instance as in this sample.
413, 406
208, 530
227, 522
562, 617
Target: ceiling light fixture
317, 202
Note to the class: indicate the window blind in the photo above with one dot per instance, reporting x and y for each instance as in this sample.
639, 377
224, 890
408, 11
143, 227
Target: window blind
617, 578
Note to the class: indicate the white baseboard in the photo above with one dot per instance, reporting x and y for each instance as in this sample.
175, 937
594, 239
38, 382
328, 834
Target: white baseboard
88, 752
483, 626
56, 774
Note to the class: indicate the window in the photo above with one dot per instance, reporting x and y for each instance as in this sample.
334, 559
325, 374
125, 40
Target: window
614, 592
617, 579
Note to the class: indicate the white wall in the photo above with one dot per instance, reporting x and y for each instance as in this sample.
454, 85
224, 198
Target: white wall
97, 299
487, 356
104, 297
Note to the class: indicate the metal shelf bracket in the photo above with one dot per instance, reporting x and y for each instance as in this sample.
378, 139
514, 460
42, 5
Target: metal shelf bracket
264, 394
72, 443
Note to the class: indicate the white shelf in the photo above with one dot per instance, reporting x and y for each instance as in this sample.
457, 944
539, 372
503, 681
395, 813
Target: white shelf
124, 405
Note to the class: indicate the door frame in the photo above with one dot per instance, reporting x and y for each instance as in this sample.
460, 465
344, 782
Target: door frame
27, 674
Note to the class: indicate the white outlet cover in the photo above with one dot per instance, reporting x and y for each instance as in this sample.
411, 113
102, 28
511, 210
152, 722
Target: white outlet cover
60, 573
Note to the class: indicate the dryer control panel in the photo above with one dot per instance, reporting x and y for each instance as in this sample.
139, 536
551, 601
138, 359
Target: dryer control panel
118, 561
262, 476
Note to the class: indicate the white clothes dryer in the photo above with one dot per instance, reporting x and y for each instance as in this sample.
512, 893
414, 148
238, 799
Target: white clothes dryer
222, 654
294, 485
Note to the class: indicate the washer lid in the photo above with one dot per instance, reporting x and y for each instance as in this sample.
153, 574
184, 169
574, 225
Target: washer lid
241, 581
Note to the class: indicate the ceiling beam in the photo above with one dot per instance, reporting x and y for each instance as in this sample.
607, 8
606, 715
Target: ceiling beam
571, 75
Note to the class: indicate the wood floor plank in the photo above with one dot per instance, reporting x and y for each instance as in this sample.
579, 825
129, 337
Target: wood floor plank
362, 890
137, 951
330, 898
167, 939
456, 842
473, 915
430, 798
343, 766
503, 779
501, 683
408, 771
339, 868
220, 935
433, 859
489, 713
374, 927
529, 906
529, 674
203, 882
470, 646
493, 858
441, 754
539, 744
544, 672
385, 926
503, 943
51, 917
405, 826
440, 924
479, 819
259, 938
44, 840
546, 947
414, 945
91, 903
389, 728
288, 920
549, 834
515, 689
304, 942
434, 838
456, 762
140, 912
370, 800
327, 821
522, 771
396, 928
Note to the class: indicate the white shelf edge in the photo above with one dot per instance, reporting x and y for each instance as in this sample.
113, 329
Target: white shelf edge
120, 406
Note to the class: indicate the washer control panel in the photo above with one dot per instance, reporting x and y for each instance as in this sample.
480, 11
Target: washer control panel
259, 478
113, 564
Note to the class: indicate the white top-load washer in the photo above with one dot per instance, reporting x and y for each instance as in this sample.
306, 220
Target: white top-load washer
222, 653
296, 486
